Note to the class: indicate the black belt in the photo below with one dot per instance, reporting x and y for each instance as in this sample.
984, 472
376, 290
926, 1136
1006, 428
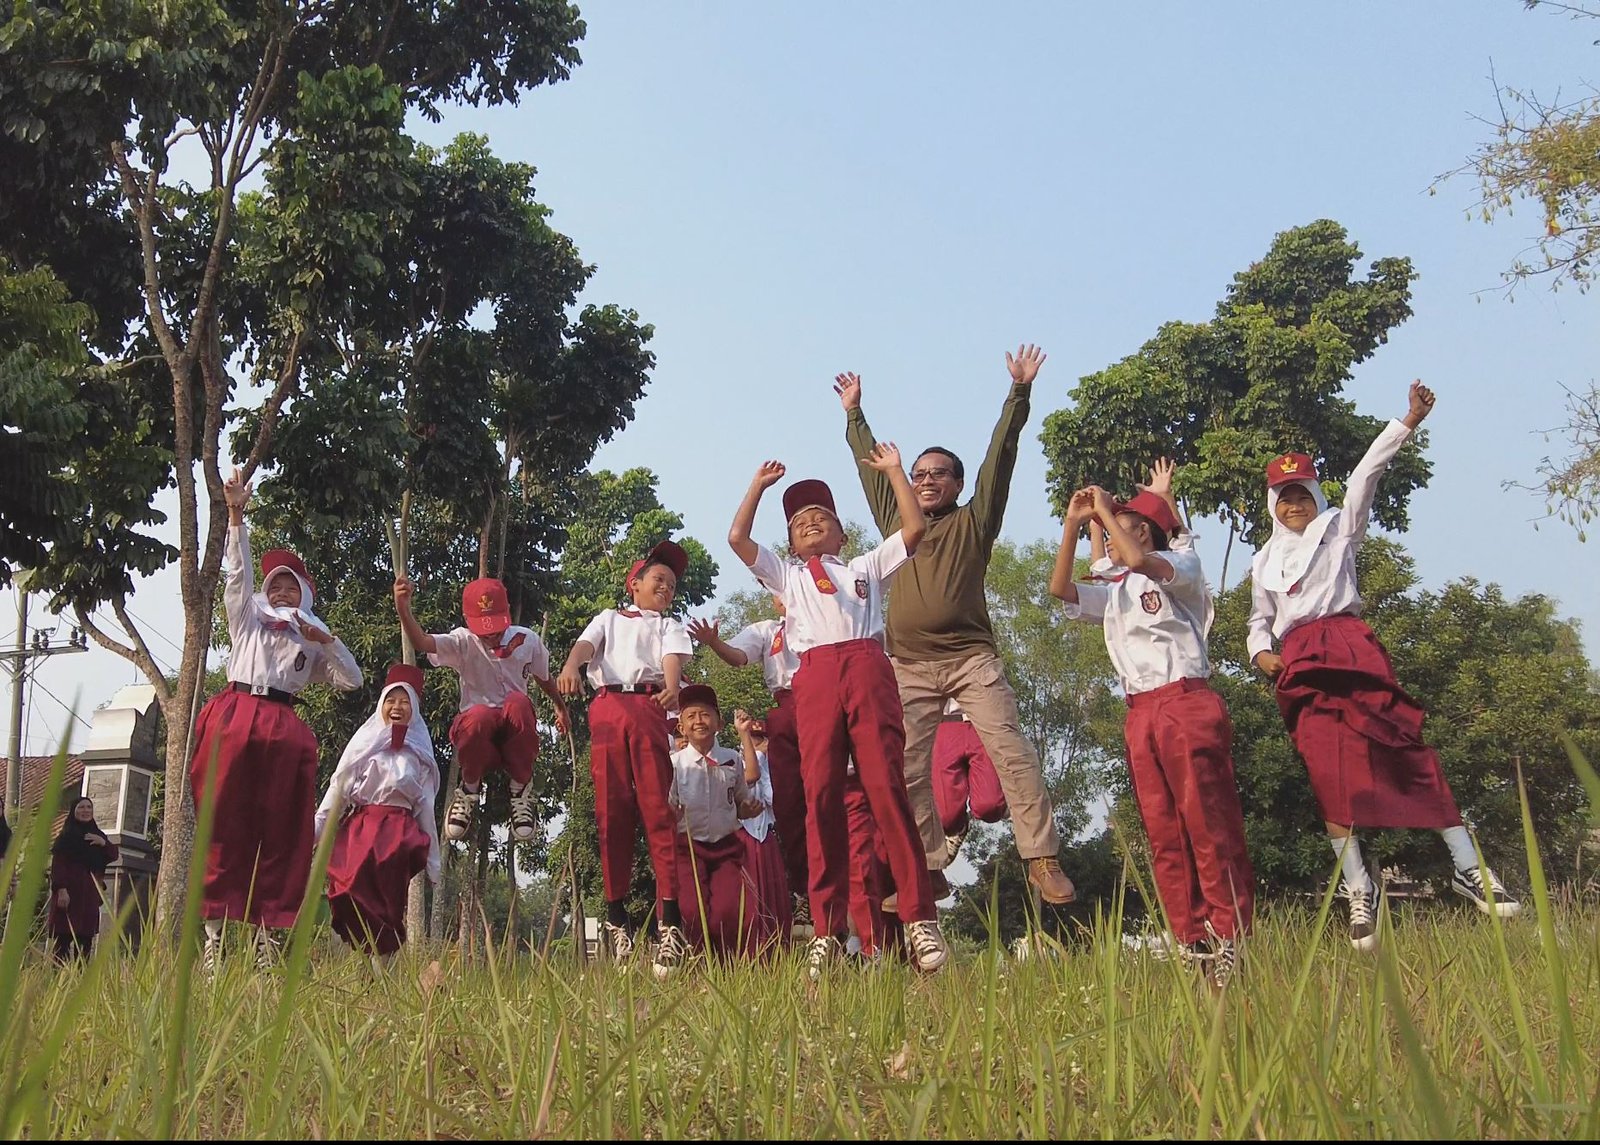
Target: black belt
632, 689
277, 695
952, 718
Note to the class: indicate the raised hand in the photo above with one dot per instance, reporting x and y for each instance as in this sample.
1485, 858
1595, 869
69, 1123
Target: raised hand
403, 589
1421, 404
1160, 478
770, 473
848, 387
1025, 366
236, 491
1104, 507
743, 724
885, 457
704, 631
1080, 508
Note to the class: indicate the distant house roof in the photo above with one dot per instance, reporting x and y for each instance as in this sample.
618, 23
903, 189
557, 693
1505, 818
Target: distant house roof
36, 773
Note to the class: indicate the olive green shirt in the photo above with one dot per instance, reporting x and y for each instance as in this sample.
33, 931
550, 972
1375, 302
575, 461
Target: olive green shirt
937, 607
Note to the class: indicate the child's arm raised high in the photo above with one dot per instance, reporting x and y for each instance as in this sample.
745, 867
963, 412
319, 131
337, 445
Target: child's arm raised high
1080, 510
1362, 488
420, 640
744, 518
239, 581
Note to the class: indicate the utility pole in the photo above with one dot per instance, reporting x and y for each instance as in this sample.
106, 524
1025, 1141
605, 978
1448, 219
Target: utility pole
16, 662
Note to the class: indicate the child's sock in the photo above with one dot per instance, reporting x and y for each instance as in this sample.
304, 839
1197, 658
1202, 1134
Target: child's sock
617, 913
670, 915
214, 929
1348, 849
1462, 852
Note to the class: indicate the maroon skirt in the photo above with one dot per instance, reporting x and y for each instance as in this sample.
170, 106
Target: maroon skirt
1359, 732
768, 884
376, 854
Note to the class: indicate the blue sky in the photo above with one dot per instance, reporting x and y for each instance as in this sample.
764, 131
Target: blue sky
908, 191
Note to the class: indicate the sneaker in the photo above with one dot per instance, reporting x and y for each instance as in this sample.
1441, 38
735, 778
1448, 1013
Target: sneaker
212, 953
802, 926
937, 881
928, 948
952, 845
1469, 885
523, 822
824, 950
670, 953
458, 820
1225, 959
1193, 956
1363, 915
621, 942
1054, 887
266, 949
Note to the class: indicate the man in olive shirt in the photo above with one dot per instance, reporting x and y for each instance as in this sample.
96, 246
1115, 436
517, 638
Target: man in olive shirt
940, 638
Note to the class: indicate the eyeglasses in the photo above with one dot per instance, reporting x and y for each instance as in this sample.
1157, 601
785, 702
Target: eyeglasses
937, 474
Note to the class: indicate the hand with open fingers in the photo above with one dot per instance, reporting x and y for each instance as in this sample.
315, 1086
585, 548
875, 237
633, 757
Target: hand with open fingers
848, 387
885, 457
703, 631
770, 473
236, 490
1160, 477
403, 588
568, 683
1422, 399
1025, 366
312, 633
668, 699
1080, 508
1104, 507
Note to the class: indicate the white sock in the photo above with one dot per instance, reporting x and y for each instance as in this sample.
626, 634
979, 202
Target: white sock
1355, 871
1462, 852
214, 929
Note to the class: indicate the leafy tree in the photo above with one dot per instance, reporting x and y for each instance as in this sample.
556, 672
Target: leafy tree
1264, 375
101, 101
1570, 485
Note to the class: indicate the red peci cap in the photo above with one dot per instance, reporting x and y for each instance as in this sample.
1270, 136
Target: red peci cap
404, 674
692, 694
806, 494
666, 553
484, 604
1290, 467
1153, 509
274, 559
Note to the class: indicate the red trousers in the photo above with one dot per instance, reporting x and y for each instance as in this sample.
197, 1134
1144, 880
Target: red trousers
963, 777
714, 894
769, 887
1358, 730
376, 853
497, 739
632, 772
1179, 740
788, 790
262, 837
870, 882
847, 706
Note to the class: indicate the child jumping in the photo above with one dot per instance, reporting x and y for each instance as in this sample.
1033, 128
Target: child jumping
265, 765
497, 728
846, 701
386, 783
635, 659
1358, 730
1156, 612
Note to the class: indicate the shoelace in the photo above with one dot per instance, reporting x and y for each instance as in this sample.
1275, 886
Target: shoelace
673, 946
924, 938
822, 951
621, 940
1361, 911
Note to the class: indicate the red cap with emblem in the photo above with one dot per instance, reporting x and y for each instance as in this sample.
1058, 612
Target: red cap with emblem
404, 674
1290, 467
702, 694
484, 604
274, 559
1153, 509
810, 494
666, 553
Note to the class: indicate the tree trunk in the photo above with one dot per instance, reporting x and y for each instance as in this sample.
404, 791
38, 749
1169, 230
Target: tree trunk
511, 906
178, 812
1222, 583
436, 917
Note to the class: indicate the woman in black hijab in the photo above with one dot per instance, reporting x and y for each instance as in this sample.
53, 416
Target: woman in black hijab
79, 859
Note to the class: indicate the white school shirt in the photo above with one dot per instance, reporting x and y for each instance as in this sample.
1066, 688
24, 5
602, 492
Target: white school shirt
706, 792
262, 656
759, 825
630, 645
1328, 587
389, 777
1155, 632
767, 642
854, 612
485, 678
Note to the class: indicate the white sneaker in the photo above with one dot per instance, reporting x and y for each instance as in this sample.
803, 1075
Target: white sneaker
267, 949
621, 942
524, 823
928, 947
212, 954
458, 819
670, 953
1225, 959
823, 951
1363, 915
1469, 885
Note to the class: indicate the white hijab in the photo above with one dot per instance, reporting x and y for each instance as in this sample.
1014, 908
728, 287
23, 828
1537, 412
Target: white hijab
1286, 556
273, 617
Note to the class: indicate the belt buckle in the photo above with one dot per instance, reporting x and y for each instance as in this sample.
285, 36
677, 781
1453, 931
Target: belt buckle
259, 689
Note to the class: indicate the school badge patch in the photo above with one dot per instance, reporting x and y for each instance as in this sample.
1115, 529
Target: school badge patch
300, 661
861, 587
1150, 601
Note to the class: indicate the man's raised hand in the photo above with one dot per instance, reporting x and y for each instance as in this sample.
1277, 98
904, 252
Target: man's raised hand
848, 387
1160, 477
1025, 366
885, 457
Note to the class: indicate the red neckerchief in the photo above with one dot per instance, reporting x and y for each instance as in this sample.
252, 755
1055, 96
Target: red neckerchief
505, 650
777, 640
397, 736
820, 575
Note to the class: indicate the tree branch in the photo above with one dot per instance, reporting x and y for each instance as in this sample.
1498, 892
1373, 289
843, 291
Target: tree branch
139, 201
269, 413
139, 656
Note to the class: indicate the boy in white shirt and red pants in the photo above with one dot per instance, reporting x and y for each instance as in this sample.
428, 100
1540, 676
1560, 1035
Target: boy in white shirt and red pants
1179, 736
1358, 731
635, 659
266, 757
847, 704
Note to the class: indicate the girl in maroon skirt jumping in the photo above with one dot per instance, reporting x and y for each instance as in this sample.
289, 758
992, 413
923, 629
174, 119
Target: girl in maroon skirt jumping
250, 741
386, 783
1359, 732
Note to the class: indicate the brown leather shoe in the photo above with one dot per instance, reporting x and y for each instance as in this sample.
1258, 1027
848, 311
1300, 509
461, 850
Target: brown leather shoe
941, 890
1054, 887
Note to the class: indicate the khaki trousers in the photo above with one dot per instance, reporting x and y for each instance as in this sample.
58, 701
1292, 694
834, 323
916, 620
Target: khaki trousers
978, 683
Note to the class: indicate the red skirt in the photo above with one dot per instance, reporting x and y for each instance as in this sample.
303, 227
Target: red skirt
768, 884
263, 834
375, 856
1358, 730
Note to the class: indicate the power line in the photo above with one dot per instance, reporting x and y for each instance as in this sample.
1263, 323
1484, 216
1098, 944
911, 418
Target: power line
33, 682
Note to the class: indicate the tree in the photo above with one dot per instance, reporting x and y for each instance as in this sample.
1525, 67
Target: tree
1265, 375
1500, 679
101, 103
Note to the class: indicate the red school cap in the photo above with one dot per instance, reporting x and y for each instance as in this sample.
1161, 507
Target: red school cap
1152, 508
692, 694
404, 674
666, 553
809, 494
484, 604
274, 559
1290, 467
